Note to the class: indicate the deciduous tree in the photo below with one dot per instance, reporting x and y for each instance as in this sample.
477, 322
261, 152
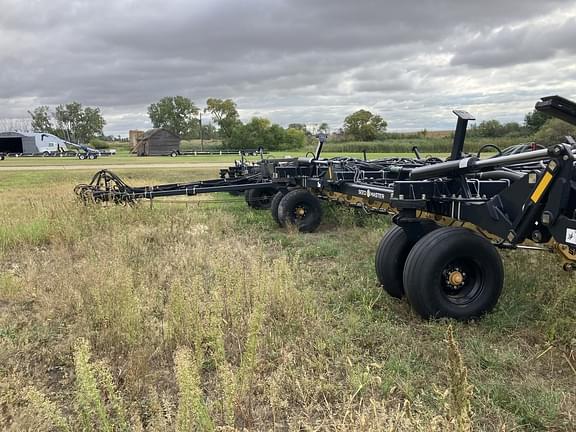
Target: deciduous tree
41, 119
534, 120
225, 114
71, 121
364, 126
554, 131
178, 114
260, 132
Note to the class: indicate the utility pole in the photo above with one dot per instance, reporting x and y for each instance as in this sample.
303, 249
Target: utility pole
201, 133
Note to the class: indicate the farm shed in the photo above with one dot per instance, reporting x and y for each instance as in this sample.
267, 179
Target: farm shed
30, 143
157, 142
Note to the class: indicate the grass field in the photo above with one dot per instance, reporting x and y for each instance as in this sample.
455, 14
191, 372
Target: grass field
124, 158
203, 315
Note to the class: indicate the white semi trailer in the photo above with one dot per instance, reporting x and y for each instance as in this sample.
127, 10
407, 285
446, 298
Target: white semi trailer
31, 143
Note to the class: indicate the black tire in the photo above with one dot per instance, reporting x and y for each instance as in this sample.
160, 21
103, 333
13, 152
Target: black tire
235, 193
454, 273
91, 156
274, 205
301, 209
259, 199
81, 156
390, 259
173, 154
392, 253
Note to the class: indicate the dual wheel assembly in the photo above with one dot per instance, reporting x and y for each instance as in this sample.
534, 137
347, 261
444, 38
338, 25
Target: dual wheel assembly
297, 207
447, 272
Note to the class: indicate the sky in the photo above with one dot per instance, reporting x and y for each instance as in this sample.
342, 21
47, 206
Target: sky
292, 61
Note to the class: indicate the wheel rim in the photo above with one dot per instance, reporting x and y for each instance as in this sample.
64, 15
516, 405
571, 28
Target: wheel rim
300, 212
462, 281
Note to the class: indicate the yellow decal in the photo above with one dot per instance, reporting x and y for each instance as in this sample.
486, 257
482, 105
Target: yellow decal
537, 194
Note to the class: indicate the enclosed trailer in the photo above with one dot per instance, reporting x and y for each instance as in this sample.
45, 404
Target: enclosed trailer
19, 143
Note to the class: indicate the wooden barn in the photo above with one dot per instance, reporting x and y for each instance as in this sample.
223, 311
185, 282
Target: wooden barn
158, 142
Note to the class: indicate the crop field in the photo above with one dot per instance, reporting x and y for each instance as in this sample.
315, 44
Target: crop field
201, 314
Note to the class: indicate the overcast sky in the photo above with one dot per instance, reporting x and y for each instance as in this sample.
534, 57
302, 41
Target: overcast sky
289, 60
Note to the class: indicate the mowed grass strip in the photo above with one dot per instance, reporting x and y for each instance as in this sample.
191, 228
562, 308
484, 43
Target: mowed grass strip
205, 316
131, 159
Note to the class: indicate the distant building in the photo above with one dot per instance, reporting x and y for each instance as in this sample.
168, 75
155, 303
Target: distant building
30, 143
133, 136
158, 142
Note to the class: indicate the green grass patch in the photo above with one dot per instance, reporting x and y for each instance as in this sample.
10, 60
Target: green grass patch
202, 313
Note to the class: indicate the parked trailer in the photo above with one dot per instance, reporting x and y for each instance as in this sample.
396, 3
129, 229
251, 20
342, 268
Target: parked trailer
30, 143
50, 149
67, 153
243, 152
450, 217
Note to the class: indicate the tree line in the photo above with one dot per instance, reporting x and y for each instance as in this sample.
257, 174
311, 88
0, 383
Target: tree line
182, 116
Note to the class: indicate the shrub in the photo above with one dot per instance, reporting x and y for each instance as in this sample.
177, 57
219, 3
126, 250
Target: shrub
554, 131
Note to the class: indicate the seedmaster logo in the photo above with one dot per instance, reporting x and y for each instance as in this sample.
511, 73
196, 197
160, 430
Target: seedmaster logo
370, 194
571, 236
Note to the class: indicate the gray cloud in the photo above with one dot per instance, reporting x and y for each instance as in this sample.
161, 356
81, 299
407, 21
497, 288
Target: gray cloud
290, 60
515, 45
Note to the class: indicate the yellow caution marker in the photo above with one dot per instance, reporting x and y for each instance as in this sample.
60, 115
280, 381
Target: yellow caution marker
541, 188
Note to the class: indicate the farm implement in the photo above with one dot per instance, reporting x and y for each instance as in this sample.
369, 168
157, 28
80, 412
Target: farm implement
450, 217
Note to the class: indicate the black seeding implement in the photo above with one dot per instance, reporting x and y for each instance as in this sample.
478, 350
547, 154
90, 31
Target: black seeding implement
450, 217
106, 186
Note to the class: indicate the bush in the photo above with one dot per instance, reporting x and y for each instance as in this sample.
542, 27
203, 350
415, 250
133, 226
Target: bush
554, 131
260, 132
99, 144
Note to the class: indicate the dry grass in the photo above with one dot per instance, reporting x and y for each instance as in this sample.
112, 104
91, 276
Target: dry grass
185, 318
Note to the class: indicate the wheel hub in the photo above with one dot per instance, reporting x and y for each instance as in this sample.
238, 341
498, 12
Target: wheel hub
300, 211
455, 278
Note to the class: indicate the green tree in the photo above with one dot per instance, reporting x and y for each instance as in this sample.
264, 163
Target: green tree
513, 129
78, 124
294, 139
364, 126
490, 129
534, 120
260, 132
225, 114
178, 114
209, 131
554, 131
324, 127
71, 121
297, 126
41, 119
495, 129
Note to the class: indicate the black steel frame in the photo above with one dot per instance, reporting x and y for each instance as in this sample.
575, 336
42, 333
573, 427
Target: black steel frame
520, 200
